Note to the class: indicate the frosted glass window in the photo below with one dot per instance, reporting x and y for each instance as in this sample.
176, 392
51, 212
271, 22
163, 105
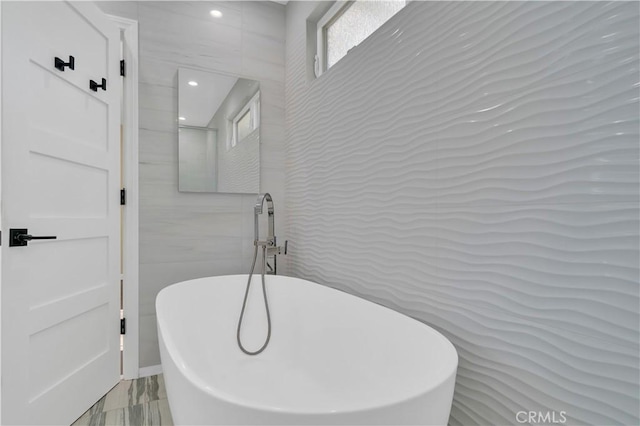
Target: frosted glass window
246, 121
354, 23
244, 126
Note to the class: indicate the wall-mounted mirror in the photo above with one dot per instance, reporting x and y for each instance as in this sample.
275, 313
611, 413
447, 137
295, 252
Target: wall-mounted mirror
218, 133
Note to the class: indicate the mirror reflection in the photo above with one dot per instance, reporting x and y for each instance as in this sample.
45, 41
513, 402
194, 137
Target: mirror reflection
218, 133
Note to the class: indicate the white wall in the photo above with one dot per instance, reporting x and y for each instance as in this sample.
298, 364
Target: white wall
189, 235
197, 159
475, 165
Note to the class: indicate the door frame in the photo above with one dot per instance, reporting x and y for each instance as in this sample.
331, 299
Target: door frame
129, 31
4, 240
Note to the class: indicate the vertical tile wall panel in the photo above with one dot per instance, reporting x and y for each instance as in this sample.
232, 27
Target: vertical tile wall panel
188, 235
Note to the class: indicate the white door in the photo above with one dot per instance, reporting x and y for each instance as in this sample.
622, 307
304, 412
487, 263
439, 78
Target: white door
60, 177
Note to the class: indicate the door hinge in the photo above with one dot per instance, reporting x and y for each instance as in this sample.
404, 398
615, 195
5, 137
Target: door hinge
123, 197
123, 326
122, 68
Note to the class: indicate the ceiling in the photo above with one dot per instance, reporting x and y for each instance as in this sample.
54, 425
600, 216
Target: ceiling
198, 104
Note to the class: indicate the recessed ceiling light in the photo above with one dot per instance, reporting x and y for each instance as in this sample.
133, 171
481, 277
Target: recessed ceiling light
216, 13
193, 83
181, 118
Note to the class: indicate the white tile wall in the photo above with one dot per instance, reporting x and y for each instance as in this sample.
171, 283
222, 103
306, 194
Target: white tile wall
475, 165
183, 235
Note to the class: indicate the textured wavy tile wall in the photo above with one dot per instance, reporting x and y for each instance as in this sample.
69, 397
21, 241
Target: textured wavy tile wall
475, 165
239, 170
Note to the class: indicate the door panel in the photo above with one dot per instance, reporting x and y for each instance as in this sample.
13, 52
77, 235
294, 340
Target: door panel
65, 29
49, 360
60, 176
61, 188
52, 112
53, 266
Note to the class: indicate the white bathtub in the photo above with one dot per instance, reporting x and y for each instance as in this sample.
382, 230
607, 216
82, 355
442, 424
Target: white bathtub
333, 358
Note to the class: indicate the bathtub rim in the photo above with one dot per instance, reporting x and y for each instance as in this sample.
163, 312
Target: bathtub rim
191, 375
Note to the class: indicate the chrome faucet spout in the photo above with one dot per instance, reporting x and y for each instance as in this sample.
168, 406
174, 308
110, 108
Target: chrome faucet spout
257, 210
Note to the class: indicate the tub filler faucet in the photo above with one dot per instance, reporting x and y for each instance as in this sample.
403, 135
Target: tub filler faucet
272, 250
269, 251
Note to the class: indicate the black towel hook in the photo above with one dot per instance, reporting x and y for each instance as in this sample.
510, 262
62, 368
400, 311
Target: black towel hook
60, 64
94, 86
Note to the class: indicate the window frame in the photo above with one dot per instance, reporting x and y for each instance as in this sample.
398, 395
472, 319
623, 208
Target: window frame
334, 12
253, 108
330, 16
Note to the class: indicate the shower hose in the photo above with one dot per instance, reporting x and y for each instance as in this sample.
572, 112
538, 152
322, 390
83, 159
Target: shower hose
266, 303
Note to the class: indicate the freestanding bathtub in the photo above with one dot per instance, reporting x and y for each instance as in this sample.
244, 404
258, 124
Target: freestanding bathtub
333, 358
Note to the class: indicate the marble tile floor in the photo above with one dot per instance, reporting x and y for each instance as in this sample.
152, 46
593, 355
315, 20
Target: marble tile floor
139, 402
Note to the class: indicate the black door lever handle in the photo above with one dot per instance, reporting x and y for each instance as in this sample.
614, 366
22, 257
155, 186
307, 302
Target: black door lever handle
27, 237
20, 237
